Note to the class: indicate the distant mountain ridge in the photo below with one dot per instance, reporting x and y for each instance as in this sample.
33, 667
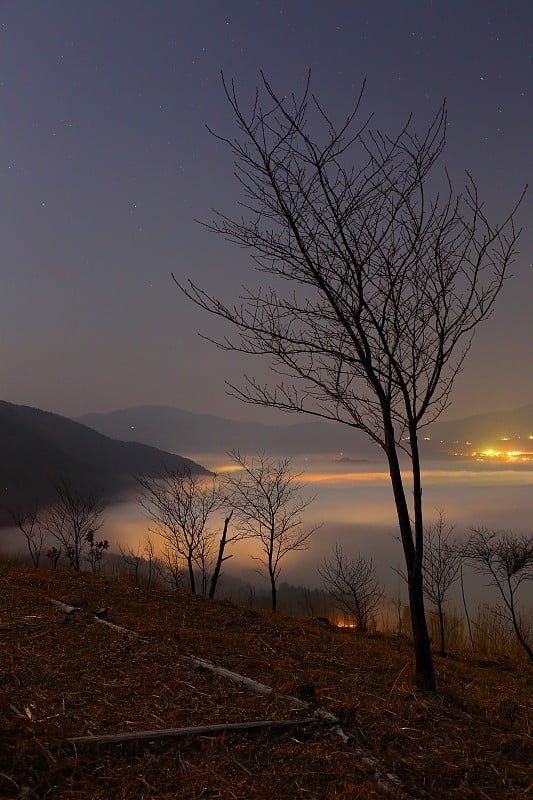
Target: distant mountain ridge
175, 429
38, 447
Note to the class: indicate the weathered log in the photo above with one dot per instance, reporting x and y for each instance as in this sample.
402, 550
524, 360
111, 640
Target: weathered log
118, 628
254, 686
64, 607
261, 688
176, 733
96, 617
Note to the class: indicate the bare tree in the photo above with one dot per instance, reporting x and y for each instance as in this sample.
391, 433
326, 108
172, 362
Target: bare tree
137, 557
268, 505
133, 558
171, 568
179, 503
149, 555
353, 584
443, 557
384, 287
54, 554
181, 506
508, 561
30, 525
73, 520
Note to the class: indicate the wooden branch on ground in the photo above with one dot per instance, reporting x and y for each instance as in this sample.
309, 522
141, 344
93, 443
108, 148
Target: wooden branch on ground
64, 607
114, 627
176, 733
254, 686
387, 781
261, 688
94, 617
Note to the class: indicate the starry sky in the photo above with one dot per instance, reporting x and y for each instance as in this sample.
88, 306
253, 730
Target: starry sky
105, 163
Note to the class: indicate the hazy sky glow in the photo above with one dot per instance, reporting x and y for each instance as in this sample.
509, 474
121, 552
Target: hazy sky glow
105, 162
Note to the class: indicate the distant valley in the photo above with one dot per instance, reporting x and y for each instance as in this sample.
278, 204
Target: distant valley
106, 450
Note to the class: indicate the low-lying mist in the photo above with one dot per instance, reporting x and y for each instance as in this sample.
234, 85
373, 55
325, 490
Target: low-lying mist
353, 505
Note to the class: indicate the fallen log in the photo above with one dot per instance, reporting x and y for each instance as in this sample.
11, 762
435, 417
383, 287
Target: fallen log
64, 607
254, 686
118, 628
98, 616
176, 733
261, 688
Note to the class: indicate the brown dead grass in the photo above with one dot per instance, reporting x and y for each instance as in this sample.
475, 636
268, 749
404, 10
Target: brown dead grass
69, 676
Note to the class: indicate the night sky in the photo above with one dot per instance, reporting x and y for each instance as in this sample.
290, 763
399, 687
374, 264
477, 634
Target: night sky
105, 162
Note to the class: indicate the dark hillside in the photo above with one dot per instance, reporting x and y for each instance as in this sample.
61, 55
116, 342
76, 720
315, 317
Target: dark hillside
69, 676
37, 447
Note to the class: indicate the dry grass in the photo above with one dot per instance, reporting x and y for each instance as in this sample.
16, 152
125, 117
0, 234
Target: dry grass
69, 676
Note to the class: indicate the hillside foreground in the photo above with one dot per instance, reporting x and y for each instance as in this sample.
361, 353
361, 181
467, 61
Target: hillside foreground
65, 675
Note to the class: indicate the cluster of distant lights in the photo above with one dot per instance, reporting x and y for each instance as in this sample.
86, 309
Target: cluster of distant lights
500, 454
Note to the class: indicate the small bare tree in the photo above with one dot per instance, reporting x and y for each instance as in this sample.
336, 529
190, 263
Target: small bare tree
133, 558
508, 562
73, 520
353, 584
171, 567
96, 550
30, 525
376, 287
181, 505
137, 557
149, 555
443, 557
268, 505
54, 554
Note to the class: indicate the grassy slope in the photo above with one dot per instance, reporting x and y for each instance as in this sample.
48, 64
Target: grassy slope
75, 677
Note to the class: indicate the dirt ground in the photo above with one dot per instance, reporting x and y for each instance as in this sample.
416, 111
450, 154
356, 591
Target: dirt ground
66, 675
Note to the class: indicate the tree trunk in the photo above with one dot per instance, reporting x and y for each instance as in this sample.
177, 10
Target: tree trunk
425, 673
220, 557
519, 634
441, 627
361, 621
190, 566
274, 592
424, 670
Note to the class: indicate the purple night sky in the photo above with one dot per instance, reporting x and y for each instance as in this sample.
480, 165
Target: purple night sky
105, 163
